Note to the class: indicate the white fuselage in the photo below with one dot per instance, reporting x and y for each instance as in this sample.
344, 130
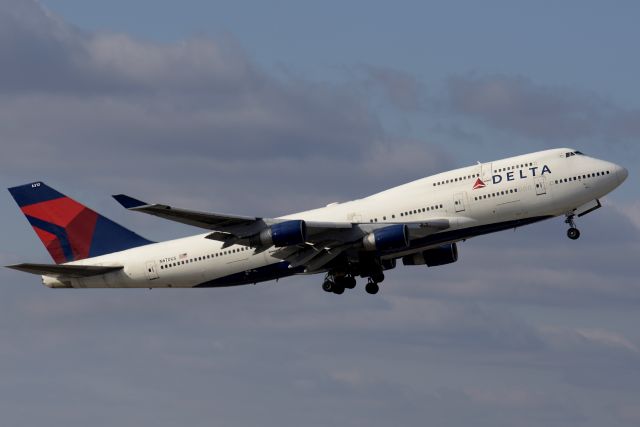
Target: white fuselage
476, 200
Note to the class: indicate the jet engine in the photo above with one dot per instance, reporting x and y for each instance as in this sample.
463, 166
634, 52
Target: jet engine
445, 254
284, 234
387, 238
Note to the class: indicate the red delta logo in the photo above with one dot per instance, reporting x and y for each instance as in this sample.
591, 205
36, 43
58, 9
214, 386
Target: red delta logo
513, 175
479, 184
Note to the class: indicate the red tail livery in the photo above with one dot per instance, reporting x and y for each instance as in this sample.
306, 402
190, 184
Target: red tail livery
69, 230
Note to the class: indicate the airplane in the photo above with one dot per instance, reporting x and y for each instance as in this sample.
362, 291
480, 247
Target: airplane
419, 223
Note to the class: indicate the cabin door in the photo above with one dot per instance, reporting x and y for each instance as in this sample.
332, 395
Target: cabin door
152, 270
458, 202
486, 172
541, 188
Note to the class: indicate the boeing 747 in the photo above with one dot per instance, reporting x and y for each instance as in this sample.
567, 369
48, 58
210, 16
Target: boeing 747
418, 223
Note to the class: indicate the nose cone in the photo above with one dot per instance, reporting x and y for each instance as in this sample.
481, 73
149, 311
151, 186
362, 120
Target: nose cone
622, 173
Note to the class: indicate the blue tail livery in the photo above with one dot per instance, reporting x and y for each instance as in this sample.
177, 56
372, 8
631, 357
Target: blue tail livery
69, 230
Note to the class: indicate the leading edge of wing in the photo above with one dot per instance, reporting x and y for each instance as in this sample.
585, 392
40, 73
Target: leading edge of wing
206, 220
57, 270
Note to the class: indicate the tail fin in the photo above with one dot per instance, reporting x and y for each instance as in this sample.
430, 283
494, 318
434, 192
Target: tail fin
69, 230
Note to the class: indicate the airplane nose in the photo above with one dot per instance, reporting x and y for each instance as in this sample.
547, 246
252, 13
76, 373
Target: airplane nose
622, 173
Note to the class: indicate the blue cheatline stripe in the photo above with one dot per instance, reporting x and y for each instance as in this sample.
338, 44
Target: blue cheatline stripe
260, 274
479, 230
34, 192
56, 230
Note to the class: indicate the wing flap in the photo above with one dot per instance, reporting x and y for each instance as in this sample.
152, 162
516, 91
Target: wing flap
57, 270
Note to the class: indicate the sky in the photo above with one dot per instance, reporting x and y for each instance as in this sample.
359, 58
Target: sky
267, 108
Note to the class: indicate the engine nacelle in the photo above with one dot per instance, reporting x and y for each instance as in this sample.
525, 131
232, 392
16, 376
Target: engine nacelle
284, 234
387, 238
442, 255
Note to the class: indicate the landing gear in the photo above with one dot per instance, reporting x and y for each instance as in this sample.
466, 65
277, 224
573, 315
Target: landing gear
372, 287
573, 233
349, 282
337, 284
377, 277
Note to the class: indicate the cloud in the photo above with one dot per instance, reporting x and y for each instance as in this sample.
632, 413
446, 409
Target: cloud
519, 105
401, 89
125, 113
630, 210
519, 331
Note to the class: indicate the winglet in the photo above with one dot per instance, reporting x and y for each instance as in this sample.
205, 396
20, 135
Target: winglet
128, 202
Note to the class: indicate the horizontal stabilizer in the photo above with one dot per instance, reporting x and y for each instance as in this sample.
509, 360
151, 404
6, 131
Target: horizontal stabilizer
55, 270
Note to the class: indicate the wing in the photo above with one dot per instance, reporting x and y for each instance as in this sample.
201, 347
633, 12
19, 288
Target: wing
56, 270
231, 229
322, 242
208, 220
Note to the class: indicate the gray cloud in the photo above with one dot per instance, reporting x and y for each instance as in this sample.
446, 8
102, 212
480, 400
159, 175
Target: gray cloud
401, 89
520, 331
543, 267
127, 113
519, 105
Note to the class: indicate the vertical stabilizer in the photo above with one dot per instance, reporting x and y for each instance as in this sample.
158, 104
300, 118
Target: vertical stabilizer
69, 230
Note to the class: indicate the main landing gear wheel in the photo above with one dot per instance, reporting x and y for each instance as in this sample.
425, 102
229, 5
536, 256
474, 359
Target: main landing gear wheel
338, 290
349, 282
337, 284
573, 233
372, 288
378, 277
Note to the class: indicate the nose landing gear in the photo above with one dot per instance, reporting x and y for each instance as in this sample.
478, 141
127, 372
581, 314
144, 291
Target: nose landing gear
573, 233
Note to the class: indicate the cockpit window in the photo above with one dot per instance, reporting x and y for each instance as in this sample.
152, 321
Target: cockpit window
573, 153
